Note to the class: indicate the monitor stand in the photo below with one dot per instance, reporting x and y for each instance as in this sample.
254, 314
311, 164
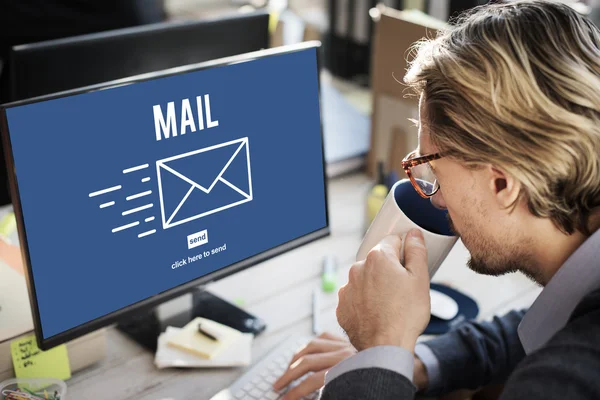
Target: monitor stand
145, 327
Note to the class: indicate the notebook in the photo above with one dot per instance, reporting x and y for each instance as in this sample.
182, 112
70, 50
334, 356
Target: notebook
190, 340
239, 353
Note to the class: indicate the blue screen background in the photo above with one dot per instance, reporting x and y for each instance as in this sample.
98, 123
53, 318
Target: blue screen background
64, 149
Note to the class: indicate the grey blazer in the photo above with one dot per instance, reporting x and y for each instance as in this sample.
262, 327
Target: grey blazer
477, 354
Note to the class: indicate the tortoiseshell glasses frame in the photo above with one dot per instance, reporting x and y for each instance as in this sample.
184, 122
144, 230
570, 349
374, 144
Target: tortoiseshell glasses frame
410, 161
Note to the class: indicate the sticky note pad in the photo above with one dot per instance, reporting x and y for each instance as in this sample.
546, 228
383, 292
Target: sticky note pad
190, 340
31, 362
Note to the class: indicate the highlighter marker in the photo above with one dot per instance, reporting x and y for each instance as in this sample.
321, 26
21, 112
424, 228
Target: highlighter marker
328, 275
377, 194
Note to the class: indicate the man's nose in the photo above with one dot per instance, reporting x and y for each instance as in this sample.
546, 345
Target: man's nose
438, 200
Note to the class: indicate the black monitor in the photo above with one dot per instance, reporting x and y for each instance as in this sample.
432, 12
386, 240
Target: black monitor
130, 193
63, 64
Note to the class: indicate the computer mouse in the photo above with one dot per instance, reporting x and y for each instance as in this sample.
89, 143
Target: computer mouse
442, 305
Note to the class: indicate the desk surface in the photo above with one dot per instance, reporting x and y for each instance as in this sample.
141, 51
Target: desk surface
128, 371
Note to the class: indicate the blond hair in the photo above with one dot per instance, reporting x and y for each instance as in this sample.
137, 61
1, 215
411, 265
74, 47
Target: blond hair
517, 85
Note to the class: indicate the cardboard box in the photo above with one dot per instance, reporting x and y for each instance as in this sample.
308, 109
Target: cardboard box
392, 134
289, 27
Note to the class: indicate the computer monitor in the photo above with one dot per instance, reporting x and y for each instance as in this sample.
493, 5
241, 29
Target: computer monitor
63, 64
130, 193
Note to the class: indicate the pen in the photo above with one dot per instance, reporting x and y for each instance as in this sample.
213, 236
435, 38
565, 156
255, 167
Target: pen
204, 332
316, 308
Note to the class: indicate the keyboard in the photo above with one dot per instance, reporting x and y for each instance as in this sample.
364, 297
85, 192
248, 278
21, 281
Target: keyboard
257, 382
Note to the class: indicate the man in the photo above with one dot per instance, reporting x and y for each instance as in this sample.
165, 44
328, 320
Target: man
509, 138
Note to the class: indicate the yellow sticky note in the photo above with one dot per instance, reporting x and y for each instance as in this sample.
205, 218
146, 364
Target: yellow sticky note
31, 362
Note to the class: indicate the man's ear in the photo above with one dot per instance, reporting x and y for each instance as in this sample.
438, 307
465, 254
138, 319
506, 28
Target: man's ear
504, 187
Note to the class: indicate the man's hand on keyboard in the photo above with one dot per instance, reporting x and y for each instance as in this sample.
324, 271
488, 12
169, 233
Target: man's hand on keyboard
316, 358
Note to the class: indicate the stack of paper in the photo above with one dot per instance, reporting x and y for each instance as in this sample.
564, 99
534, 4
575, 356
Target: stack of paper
186, 347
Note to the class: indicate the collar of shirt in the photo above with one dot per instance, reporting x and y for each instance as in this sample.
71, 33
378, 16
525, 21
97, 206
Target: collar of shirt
577, 277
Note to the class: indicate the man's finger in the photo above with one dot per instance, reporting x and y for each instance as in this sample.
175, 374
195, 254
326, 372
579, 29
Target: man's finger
308, 363
318, 345
415, 253
311, 384
391, 244
345, 308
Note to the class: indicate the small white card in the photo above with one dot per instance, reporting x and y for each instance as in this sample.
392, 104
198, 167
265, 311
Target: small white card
238, 353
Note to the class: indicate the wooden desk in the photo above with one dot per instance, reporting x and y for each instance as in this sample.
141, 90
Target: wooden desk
279, 291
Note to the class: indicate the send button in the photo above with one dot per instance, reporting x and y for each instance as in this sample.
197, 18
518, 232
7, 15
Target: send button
197, 239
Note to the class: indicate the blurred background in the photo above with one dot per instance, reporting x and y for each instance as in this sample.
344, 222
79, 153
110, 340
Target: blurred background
48, 46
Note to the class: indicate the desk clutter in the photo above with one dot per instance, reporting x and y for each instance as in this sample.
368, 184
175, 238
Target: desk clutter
33, 389
203, 343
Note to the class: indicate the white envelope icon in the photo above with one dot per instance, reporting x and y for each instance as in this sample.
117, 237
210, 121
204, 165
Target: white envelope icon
204, 181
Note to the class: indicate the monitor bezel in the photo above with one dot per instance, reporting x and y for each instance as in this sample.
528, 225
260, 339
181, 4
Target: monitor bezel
152, 301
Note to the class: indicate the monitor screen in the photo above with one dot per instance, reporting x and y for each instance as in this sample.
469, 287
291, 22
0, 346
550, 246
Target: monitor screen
133, 191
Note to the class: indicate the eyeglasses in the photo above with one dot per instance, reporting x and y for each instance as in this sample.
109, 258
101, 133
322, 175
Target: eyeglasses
421, 174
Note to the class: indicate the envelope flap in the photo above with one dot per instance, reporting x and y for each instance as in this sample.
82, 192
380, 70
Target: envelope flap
238, 172
204, 167
173, 190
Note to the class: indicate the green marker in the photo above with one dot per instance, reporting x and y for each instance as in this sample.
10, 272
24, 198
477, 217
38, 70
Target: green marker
329, 274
